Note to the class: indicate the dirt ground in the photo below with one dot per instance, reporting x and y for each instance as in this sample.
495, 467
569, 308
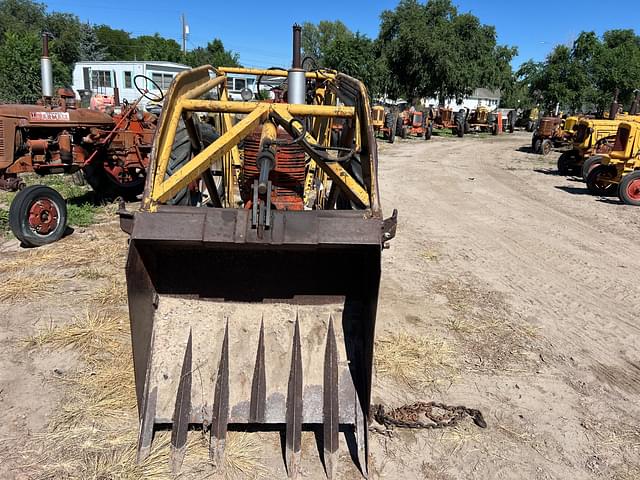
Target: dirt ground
508, 289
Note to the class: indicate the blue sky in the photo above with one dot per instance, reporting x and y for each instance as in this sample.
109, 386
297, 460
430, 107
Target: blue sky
261, 31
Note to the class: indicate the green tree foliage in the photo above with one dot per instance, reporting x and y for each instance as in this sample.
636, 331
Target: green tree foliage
90, 48
583, 77
20, 78
118, 44
333, 45
213, 54
155, 47
432, 50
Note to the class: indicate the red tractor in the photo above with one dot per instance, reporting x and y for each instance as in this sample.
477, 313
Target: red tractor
54, 136
414, 123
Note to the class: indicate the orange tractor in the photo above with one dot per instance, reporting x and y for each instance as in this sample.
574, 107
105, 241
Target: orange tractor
414, 123
56, 137
383, 123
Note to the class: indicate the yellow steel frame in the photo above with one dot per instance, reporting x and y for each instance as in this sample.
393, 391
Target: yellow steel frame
225, 147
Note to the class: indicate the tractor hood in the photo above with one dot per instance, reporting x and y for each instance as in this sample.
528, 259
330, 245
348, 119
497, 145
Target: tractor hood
42, 116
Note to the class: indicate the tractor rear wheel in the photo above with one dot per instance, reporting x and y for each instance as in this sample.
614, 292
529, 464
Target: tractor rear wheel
399, 124
38, 216
114, 182
405, 132
546, 147
428, 133
181, 153
629, 190
597, 181
389, 125
589, 164
460, 131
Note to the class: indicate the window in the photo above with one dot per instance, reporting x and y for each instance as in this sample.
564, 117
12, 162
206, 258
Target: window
101, 78
229, 83
240, 83
162, 79
127, 80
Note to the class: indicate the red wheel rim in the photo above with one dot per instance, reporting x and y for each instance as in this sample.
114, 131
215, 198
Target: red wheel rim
633, 189
43, 216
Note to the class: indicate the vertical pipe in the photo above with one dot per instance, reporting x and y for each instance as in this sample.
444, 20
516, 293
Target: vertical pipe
297, 33
297, 83
46, 69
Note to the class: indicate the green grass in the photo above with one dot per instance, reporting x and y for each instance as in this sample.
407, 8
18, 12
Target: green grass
81, 215
61, 183
444, 132
4, 222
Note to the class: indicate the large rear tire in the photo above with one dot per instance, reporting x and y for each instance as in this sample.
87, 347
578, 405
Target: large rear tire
38, 216
428, 133
110, 188
181, 153
629, 189
597, 181
389, 124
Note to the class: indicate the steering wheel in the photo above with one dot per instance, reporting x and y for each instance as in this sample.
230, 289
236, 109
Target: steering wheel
145, 92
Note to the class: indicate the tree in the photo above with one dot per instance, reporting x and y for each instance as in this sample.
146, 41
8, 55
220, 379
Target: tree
213, 54
90, 48
20, 78
21, 16
333, 45
433, 51
155, 47
118, 44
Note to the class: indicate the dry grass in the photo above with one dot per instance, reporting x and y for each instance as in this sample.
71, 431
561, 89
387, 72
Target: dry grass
420, 362
20, 287
489, 336
114, 295
97, 333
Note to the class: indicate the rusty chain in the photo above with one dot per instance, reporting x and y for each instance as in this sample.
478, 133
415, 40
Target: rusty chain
425, 415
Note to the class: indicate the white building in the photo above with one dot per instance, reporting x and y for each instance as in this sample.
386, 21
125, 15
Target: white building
480, 97
102, 77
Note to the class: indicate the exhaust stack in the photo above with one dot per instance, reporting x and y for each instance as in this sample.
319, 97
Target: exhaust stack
613, 111
46, 68
297, 81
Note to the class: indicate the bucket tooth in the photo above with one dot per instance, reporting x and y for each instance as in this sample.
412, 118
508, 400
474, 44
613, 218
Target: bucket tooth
220, 406
259, 384
148, 412
330, 402
361, 438
182, 412
293, 432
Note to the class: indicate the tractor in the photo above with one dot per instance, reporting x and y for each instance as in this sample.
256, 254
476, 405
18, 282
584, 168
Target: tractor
594, 137
528, 119
414, 123
553, 132
53, 137
383, 123
481, 120
254, 308
619, 170
446, 118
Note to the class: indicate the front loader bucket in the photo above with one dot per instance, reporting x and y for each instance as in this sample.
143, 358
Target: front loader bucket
234, 331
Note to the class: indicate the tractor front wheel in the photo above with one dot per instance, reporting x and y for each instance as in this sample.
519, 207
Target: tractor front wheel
38, 216
546, 147
598, 181
566, 163
589, 164
629, 190
428, 133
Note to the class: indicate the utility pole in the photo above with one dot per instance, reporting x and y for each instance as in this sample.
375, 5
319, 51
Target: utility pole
185, 32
